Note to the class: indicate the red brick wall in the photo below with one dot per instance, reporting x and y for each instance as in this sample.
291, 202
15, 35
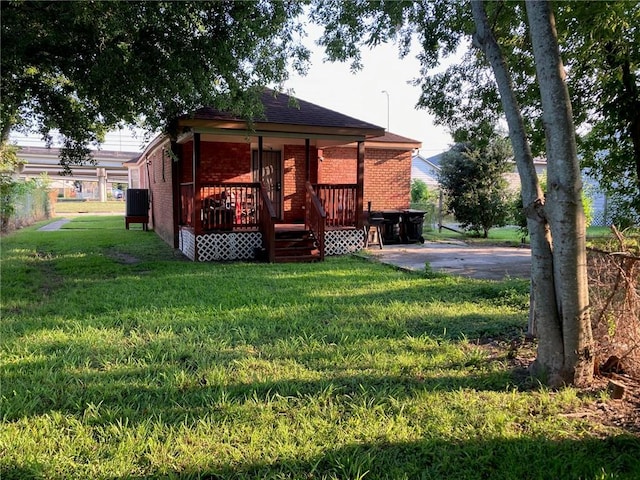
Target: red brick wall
161, 187
294, 178
225, 162
387, 177
219, 162
338, 165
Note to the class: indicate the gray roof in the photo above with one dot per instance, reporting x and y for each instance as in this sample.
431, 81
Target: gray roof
433, 160
282, 109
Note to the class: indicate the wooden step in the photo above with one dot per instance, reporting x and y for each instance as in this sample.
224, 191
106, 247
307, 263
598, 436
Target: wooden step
293, 242
295, 246
297, 258
291, 252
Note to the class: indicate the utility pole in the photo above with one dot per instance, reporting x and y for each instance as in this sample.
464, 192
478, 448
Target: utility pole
384, 91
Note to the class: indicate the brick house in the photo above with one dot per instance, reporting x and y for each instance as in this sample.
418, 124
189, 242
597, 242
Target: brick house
295, 187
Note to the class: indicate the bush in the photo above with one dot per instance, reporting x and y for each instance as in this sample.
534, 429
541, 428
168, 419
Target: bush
426, 200
472, 178
614, 295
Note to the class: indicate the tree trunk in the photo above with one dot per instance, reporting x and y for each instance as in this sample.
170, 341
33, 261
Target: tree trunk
632, 114
564, 205
544, 316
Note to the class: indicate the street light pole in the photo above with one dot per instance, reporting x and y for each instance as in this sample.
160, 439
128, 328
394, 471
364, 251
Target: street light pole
384, 91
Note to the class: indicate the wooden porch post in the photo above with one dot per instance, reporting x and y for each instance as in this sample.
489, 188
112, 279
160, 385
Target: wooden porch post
260, 149
307, 160
360, 187
197, 200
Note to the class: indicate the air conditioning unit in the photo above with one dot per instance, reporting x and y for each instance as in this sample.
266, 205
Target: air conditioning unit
137, 207
137, 202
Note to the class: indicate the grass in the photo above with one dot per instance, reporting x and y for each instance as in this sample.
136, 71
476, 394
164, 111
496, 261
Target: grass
509, 235
64, 206
121, 360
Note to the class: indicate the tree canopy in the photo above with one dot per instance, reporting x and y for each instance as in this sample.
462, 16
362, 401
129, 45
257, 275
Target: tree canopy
85, 67
602, 39
600, 45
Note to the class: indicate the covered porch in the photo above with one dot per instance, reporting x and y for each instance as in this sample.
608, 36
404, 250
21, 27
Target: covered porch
270, 206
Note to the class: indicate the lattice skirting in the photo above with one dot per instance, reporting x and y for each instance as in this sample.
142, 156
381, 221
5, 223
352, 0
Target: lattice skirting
341, 242
243, 245
187, 243
228, 246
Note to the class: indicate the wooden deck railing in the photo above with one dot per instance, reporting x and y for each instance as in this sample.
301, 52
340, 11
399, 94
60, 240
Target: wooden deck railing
186, 204
230, 206
268, 219
315, 217
247, 206
339, 203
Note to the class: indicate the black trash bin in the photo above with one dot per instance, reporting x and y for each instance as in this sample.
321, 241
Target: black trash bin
412, 223
391, 226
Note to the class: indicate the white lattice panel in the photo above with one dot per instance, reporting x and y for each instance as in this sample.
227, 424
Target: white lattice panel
188, 244
341, 242
228, 246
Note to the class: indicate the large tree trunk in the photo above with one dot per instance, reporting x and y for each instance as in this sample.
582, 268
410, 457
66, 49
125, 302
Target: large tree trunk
544, 315
547, 308
632, 113
564, 203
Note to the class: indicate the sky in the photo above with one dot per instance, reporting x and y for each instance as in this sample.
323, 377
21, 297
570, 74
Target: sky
359, 95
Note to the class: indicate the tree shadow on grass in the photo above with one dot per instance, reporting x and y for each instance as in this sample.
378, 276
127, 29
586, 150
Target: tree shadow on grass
427, 458
527, 458
136, 393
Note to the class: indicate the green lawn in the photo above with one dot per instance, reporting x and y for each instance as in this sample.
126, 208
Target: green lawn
509, 235
63, 207
119, 359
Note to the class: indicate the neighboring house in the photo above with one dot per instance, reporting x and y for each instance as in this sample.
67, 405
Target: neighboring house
426, 169
600, 208
296, 187
599, 202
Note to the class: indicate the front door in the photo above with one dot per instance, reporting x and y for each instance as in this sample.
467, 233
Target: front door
271, 176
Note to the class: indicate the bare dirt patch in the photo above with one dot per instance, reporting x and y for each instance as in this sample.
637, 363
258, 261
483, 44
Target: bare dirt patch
123, 258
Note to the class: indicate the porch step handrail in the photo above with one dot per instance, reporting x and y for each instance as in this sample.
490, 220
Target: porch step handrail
268, 219
315, 217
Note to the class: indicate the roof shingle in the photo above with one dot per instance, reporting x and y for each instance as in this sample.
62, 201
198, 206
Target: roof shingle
282, 109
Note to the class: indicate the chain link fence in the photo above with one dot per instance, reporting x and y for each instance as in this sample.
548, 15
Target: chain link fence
25, 206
